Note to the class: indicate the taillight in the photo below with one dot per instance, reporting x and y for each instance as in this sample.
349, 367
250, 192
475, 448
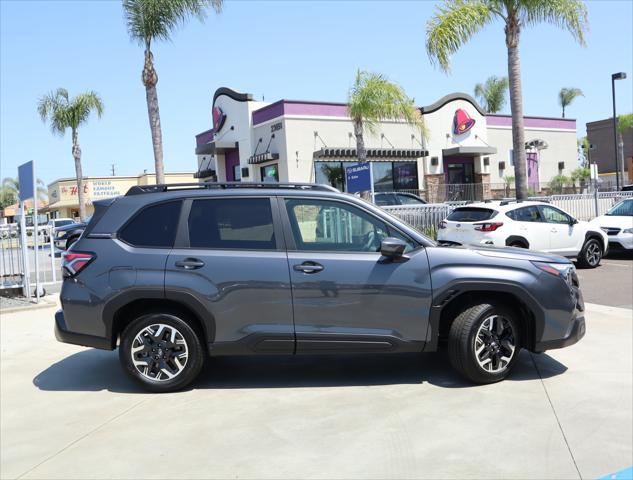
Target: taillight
443, 224
487, 226
75, 262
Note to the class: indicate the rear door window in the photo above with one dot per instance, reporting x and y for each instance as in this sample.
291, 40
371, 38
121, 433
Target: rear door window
154, 226
471, 214
526, 214
232, 223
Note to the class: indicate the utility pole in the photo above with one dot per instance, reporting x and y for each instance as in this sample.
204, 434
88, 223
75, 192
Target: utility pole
112, 169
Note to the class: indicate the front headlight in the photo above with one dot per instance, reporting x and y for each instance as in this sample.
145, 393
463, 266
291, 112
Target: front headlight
627, 230
562, 270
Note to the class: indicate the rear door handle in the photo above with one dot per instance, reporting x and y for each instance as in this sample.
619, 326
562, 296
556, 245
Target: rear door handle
308, 267
190, 263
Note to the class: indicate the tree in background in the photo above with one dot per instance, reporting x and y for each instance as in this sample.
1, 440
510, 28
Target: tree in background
10, 191
457, 21
63, 112
492, 93
335, 175
580, 175
373, 98
568, 95
150, 20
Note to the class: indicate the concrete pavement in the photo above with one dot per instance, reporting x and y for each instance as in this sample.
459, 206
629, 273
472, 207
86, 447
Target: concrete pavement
69, 412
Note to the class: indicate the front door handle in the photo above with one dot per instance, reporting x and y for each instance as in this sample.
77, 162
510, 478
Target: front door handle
308, 267
190, 263
553, 230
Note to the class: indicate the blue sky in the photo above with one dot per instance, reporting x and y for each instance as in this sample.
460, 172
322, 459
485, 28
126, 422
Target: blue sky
295, 50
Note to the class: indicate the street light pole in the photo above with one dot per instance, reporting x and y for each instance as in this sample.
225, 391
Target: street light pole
614, 77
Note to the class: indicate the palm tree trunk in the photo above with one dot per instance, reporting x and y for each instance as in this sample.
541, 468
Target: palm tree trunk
516, 106
79, 175
150, 79
361, 151
563, 111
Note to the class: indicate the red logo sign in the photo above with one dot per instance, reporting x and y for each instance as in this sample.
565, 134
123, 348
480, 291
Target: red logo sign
218, 119
462, 122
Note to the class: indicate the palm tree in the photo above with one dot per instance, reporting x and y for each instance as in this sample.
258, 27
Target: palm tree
568, 95
64, 112
149, 20
10, 191
335, 175
373, 98
457, 21
492, 93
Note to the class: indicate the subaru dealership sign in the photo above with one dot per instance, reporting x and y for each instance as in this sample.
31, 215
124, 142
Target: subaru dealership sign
358, 178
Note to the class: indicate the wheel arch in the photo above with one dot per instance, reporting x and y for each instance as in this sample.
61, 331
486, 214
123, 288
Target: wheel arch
121, 314
592, 234
462, 296
517, 239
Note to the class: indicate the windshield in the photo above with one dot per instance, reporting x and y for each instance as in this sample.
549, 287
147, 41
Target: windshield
622, 209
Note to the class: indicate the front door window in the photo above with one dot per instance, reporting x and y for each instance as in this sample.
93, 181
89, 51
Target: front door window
460, 173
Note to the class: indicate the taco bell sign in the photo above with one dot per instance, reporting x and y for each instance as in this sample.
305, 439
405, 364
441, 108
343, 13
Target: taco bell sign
358, 178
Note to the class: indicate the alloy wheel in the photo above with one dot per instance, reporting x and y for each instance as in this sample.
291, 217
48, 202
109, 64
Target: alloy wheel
593, 254
495, 344
159, 352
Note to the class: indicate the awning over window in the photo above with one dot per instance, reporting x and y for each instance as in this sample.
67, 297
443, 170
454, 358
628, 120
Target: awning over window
469, 151
263, 157
373, 154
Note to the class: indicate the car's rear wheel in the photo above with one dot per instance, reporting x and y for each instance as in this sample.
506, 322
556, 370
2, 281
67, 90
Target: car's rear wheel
517, 245
484, 343
591, 254
161, 352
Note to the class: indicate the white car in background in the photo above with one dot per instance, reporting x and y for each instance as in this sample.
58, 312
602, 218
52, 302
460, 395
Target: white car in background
534, 225
617, 223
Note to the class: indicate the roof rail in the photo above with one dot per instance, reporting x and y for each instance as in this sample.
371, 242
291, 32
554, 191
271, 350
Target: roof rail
507, 201
165, 187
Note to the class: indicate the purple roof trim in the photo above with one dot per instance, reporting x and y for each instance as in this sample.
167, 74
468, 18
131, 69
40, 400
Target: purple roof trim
532, 122
298, 107
204, 137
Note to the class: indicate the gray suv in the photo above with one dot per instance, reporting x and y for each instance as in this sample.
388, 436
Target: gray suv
173, 273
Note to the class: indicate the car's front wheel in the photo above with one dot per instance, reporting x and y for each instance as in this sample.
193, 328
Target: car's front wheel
161, 352
591, 254
484, 343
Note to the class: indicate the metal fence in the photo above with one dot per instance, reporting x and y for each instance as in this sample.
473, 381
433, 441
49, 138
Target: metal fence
23, 268
426, 218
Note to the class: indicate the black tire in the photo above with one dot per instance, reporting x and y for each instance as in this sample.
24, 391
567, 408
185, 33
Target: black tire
70, 241
462, 339
192, 365
591, 254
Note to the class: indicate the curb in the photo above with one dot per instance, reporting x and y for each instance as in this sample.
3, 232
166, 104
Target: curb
44, 303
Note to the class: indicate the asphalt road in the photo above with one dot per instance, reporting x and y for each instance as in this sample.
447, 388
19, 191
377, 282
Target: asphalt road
69, 412
611, 283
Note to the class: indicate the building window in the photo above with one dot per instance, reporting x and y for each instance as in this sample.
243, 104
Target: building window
388, 176
237, 173
270, 173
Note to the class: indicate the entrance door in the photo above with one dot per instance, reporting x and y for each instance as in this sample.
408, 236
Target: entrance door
459, 170
532, 165
231, 162
344, 297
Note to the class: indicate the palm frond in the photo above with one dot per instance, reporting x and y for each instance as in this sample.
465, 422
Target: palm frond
570, 15
567, 95
149, 20
452, 26
492, 93
63, 112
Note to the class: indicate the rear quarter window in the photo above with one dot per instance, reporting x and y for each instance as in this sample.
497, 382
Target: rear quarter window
154, 226
471, 214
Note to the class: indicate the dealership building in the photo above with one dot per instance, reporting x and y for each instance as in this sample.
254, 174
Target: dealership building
307, 141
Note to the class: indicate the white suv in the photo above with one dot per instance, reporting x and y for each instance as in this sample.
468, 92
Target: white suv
533, 225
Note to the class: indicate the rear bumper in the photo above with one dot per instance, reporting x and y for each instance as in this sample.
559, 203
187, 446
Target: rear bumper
62, 334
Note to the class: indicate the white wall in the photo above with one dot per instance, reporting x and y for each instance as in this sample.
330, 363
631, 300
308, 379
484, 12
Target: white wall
562, 147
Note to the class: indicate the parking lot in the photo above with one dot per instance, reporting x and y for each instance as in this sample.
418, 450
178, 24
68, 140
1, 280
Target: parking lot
69, 412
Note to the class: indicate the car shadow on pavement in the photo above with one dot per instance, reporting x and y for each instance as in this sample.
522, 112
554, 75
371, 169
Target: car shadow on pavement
95, 370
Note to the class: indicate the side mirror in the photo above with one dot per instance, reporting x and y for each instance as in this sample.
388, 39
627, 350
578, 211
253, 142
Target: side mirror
392, 248
572, 221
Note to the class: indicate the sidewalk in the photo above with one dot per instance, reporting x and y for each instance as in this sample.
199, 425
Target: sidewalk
68, 412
